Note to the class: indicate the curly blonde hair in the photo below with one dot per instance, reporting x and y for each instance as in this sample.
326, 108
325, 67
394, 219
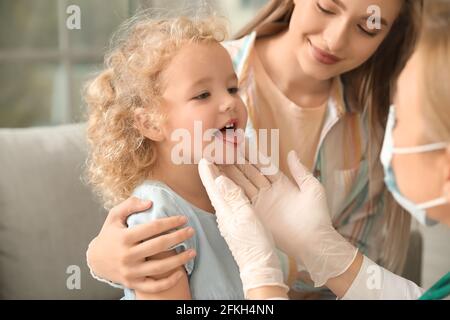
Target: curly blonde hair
120, 157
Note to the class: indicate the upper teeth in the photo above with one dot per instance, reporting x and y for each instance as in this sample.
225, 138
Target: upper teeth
229, 126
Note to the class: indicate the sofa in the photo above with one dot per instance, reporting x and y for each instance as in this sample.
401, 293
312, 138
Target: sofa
48, 217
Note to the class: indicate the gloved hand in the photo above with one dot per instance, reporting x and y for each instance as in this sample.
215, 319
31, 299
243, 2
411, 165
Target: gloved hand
298, 217
251, 245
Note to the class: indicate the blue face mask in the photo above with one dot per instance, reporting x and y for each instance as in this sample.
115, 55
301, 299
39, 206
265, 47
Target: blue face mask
416, 210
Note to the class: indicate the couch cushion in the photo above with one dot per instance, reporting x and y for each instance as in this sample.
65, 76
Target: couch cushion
47, 215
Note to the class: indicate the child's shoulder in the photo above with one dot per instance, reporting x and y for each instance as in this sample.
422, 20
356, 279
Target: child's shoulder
152, 188
165, 202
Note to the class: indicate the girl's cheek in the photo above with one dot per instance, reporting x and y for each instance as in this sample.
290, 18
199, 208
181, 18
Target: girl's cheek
208, 120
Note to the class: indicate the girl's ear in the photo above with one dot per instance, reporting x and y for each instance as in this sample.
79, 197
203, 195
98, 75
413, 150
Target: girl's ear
447, 174
147, 128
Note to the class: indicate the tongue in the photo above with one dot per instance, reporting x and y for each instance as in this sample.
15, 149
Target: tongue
227, 134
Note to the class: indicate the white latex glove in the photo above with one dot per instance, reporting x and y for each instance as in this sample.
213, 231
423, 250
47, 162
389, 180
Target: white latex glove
374, 282
298, 217
251, 245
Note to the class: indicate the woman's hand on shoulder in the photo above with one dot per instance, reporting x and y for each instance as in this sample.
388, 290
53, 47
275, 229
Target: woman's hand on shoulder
127, 255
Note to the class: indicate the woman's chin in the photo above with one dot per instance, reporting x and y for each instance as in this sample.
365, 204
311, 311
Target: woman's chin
315, 69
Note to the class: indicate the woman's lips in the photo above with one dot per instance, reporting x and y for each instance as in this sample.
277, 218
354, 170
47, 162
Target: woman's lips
322, 56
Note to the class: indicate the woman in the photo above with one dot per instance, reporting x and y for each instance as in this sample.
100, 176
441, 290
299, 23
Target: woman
309, 68
416, 153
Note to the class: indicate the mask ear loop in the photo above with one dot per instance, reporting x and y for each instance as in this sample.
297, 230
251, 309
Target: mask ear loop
422, 148
432, 203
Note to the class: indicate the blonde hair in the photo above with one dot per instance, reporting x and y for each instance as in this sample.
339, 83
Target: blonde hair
367, 88
434, 50
119, 156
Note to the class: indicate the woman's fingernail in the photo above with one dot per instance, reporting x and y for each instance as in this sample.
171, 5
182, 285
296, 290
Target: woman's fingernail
191, 253
190, 231
182, 219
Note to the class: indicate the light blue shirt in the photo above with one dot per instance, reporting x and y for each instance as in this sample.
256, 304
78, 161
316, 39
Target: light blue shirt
213, 273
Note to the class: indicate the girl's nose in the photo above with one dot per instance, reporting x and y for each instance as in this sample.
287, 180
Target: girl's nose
227, 105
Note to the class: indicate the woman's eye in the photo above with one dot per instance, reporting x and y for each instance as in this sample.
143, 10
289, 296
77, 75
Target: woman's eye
233, 90
364, 31
323, 9
202, 96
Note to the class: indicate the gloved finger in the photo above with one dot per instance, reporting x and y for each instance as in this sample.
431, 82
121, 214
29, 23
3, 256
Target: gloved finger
232, 194
301, 174
208, 174
259, 180
241, 180
244, 149
262, 162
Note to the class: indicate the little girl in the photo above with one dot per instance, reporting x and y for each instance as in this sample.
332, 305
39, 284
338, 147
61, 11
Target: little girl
162, 76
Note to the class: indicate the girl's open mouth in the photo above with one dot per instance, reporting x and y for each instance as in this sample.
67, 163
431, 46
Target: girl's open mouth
230, 133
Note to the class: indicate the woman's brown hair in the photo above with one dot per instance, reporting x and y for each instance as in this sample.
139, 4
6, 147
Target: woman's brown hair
367, 88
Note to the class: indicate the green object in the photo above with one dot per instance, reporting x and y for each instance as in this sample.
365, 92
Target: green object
438, 291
